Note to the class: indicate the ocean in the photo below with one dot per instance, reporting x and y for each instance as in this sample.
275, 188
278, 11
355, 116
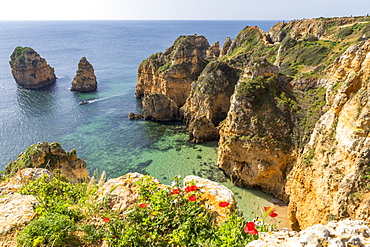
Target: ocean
100, 131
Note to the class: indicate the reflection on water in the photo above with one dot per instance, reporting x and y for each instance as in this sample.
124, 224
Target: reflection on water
36, 102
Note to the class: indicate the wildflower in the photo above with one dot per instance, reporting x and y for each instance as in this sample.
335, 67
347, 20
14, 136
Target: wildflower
106, 220
191, 188
114, 236
223, 204
143, 205
192, 198
270, 211
175, 191
249, 228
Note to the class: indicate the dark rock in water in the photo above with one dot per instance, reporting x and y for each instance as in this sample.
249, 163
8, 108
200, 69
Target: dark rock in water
29, 69
133, 116
144, 164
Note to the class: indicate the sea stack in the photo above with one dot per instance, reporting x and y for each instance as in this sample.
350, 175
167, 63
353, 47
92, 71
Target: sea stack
85, 79
29, 69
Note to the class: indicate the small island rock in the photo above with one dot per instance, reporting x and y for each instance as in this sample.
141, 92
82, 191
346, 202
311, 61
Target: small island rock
85, 79
29, 69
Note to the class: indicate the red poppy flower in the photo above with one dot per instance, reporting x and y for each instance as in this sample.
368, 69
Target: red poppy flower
191, 188
271, 211
249, 228
192, 198
106, 220
143, 205
223, 204
175, 191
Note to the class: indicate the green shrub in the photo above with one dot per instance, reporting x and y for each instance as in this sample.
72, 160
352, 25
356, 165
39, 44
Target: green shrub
344, 32
57, 196
49, 230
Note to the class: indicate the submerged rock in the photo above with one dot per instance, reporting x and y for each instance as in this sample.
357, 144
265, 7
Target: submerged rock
29, 69
85, 79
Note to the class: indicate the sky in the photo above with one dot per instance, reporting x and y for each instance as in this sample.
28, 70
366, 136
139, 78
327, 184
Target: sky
179, 9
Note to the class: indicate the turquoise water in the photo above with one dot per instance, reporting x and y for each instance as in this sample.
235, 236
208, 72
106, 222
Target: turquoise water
100, 131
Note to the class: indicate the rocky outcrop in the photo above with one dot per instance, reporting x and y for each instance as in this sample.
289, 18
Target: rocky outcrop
213, 51
225, 46
172, 72
209, 101
335, 234
331, 178
17, 209
29, 69
320, 27
50, 156
135, 116
159, 107
85, 79
213, 193
258, 120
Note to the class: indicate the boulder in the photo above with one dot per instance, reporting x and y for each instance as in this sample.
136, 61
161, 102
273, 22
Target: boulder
29, 69
133, 116
85, 79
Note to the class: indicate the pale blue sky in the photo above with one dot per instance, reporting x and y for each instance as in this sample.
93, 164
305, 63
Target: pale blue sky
179, 9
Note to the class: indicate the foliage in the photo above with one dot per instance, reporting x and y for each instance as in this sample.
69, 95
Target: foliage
19, 51
344, 32
56, 195
173, 217
52, 229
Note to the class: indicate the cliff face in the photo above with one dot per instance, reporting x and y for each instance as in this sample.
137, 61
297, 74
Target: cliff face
29, 69
172, 72
85, 79
209, 101
331, 178
297, 120
50, 156
259, 119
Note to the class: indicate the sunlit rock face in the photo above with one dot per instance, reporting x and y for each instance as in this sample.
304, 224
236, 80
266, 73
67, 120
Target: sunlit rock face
29, 69
172, 72
85, 79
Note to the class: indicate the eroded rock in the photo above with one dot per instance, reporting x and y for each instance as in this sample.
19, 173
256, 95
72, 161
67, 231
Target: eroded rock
29, 69
85, 79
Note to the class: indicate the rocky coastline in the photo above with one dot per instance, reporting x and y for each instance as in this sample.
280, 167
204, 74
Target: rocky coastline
289, 108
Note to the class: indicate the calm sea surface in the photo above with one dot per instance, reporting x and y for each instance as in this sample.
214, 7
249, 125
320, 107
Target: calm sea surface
100, 131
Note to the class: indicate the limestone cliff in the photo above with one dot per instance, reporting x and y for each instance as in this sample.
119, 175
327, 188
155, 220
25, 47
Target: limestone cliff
29, 69
172, 72
50, 156
85, 79
255, 144
209, 101
159, 107
297, 119
331, 178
